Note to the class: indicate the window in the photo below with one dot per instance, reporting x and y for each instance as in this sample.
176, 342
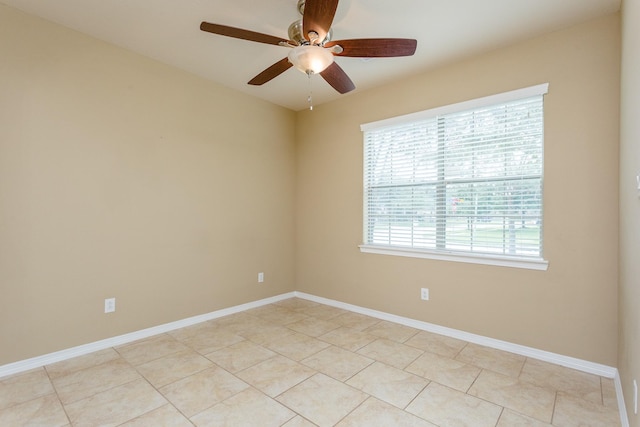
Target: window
461, 182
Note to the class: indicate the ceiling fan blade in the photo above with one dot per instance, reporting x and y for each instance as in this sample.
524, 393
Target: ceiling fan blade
337, 78
239, 33
274, 71
374, 48
318, 16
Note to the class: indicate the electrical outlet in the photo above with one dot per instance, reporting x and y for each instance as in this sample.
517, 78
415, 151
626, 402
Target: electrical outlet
109, 305
260, 277
424, 294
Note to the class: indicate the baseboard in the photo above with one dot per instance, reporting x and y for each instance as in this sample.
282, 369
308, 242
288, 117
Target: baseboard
624, 417
558, 359
546, 356
58, 356
569, 362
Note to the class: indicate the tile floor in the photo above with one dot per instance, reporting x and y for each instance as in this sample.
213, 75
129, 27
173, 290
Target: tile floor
297, 363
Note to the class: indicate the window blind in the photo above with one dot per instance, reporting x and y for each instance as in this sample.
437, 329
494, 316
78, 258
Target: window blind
465, 181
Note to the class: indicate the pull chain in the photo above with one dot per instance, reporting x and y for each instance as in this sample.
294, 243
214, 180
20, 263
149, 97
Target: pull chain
310, 97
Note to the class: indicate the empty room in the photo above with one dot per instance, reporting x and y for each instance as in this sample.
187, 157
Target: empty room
319, 213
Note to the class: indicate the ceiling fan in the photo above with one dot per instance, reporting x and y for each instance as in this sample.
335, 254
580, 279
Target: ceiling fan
312, 50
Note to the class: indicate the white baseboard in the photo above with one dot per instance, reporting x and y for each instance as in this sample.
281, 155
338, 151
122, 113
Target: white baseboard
558, 359
546, 356
58, 356
569, 362
624, 418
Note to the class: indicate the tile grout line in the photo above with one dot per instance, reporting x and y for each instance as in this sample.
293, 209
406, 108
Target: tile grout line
474, 381
157, 391
416, 396
55, 391
555, 403
354, 409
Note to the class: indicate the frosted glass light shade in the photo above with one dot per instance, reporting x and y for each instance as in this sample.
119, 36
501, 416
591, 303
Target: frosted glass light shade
310, 59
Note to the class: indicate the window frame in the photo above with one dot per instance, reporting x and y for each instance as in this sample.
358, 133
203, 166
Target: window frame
526, 262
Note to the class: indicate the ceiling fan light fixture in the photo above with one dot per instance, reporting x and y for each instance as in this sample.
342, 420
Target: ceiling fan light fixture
312, 47
310, 59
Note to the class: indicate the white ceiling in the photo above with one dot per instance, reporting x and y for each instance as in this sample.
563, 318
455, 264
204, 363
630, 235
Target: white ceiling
168, 31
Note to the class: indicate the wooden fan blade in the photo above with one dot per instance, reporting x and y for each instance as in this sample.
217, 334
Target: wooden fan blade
239, 33
274, 71
374, 48
337, 78
318, 16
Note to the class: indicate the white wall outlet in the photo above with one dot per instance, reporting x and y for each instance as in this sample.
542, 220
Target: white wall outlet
635, 397
109, 305
424, 294
260, 277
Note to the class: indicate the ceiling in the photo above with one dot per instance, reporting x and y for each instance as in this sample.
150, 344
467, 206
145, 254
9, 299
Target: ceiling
446, 30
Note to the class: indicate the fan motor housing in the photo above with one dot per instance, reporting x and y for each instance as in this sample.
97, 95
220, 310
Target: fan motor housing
296, 33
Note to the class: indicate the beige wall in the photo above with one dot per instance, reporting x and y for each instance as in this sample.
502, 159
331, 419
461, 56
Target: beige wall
571, 309
122, 177
629, 298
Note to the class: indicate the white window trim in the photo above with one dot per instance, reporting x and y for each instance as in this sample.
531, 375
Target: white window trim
515, 262
472, 258
513, 95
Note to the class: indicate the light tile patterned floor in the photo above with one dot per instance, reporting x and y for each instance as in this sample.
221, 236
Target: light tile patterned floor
297, 363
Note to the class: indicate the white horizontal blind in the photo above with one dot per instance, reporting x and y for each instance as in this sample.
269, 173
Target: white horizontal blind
468, 181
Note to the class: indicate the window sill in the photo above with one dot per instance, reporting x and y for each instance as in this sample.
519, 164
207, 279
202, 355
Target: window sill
502, 261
